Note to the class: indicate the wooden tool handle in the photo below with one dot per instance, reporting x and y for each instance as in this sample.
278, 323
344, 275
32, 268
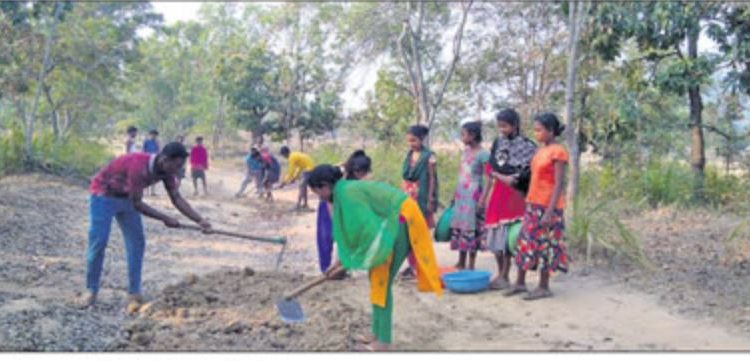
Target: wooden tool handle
307, 286
275, 240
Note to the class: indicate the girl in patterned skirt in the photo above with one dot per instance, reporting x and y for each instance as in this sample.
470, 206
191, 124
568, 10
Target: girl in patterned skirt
541, 238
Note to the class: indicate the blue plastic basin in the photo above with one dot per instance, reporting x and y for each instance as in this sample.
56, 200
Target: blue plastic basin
467, 281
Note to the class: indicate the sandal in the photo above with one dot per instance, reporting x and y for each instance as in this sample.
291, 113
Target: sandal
538, 294
515, 290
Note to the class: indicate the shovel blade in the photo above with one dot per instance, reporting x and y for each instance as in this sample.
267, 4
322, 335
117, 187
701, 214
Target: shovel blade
290, 311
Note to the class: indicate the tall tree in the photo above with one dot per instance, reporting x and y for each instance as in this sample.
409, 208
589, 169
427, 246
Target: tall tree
660, 29
515, 56
225, 35
411, 33
301, 36
251, 81
390, 109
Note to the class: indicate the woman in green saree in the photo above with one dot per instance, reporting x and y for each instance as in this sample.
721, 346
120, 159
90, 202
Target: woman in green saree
375, 226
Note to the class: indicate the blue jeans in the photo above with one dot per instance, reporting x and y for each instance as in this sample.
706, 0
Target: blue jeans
101, 211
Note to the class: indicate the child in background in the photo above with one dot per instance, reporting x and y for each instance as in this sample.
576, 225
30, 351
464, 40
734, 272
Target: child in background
254, 172
271, 171
199, 164
300, 164
467, 224
420, 182
130, 146
151, 146
541, 235
510, 153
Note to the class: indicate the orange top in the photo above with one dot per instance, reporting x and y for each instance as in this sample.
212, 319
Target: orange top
543, 175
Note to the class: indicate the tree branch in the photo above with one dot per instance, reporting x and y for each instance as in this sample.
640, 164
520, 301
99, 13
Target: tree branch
405, 58
421, 90
722, 133
465, 6
405, 89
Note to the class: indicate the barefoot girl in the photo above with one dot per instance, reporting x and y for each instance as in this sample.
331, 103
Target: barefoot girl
510, 153
375, 226
541, 235
467, 224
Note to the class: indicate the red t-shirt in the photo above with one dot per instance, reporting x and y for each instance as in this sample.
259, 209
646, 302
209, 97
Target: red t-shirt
128, 174
199, 158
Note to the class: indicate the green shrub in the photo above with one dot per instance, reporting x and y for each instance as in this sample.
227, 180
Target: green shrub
70, 156
664, 183
11, 151
606, 193
723, 190
660, 183
596, 226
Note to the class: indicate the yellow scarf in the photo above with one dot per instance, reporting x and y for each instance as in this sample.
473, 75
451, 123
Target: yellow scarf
428, 275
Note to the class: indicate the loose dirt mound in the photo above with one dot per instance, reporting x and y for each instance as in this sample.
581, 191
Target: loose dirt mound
235, 311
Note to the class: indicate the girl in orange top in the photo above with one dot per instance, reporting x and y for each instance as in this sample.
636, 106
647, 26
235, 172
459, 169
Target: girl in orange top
541, 235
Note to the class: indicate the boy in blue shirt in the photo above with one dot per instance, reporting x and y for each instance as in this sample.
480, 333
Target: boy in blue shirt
151, 146
254, 172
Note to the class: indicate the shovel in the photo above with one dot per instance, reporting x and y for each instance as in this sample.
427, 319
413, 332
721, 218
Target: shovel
289, 309
275, 240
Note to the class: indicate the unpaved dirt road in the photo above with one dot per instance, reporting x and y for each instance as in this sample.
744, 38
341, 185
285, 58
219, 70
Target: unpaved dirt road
216, 293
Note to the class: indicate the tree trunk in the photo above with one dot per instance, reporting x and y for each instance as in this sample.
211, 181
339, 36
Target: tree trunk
53, 113
416, 40
728, 160
480, 105
51, 33
218, 126
66, 124
457, 38
698, 152
572, 134
407, 62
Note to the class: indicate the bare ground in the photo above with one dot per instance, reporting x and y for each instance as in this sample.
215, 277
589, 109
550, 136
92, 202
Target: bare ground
217, 293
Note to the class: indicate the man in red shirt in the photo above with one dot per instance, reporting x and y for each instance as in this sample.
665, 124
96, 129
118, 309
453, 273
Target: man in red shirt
199, 164
117, 192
